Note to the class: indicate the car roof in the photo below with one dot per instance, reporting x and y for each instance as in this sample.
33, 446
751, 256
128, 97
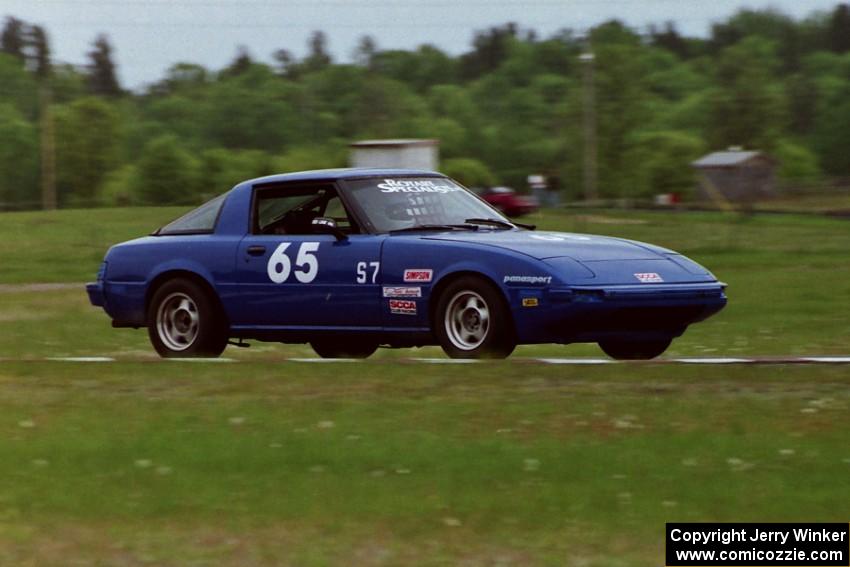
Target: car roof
341, 173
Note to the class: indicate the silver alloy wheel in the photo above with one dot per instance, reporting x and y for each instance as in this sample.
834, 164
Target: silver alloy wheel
467, 320
177, 321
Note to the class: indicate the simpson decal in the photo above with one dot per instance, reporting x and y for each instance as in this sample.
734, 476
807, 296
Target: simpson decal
418, 275
402, 307
402, 292
528, 279
530, 302
649, 277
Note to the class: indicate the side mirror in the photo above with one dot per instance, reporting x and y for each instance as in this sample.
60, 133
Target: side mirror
327, 225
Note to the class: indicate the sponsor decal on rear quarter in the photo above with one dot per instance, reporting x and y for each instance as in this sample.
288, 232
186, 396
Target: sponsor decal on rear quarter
418, 275
400, 291
649, 277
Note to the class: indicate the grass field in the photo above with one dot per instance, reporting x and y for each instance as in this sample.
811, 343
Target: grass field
387, 462
393, 464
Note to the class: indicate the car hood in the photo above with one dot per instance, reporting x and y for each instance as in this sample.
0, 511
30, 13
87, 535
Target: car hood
542, 245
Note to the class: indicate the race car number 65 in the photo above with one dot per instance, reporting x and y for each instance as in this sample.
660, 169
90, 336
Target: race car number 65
280, 266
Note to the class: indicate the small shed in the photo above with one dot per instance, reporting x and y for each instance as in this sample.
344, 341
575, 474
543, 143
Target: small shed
736, 175
407, 154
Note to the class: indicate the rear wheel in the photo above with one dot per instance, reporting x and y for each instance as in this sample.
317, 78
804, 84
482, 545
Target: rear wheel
184, 321
634, 350
344, 348
472, 320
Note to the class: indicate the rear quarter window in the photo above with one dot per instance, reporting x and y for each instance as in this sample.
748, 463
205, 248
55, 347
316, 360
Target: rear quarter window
199, 221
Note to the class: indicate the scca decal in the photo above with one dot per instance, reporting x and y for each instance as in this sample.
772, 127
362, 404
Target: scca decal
649, 277
402, 307
418, 275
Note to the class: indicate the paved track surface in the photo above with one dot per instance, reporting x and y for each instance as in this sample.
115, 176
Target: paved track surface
28, 287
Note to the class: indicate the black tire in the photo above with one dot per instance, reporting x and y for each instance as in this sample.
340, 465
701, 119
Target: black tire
460, 323
185, 322
634, 350
344, 347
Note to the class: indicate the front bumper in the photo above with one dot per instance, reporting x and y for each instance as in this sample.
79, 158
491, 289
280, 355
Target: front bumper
593, 313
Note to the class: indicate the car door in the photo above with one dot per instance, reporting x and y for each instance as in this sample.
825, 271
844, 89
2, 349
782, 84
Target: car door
290, 276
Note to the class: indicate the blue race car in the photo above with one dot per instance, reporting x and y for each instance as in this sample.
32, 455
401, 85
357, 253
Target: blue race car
351, 259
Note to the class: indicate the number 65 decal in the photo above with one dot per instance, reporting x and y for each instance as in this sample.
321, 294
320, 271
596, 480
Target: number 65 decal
280, 266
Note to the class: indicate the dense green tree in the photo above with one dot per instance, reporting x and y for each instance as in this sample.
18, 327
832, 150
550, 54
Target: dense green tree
17, 87
285, 63
489, 50
470, 172
669, 38
183, 78
66, 83
13, 38
89, 142
240, 64
662, 163
831, 136
102, 78
839, 29
18, 160
167, 173
621, 101
249, 111
364, 53
797, 164
770, 25
312, 157
318, 56
39, 51
420, 69
514, 103
748, 103
221, 169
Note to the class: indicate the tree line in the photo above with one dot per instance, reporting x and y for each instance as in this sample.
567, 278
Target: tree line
511, 105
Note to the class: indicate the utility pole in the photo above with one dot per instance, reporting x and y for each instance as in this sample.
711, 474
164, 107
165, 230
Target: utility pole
590, 151
48, 152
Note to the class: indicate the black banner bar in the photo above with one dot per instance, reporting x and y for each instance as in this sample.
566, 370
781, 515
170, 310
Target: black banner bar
769, 544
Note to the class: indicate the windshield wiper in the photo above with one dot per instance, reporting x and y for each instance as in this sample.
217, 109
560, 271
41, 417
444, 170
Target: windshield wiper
419, 227
497, 222
494, 222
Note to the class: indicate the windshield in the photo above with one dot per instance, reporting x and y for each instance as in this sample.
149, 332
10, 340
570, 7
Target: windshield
403, 203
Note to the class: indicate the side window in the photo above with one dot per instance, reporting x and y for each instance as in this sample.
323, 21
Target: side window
336, 210
291, 210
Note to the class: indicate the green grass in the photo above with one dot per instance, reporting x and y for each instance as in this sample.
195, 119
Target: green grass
68, 245
537, 465
268, 462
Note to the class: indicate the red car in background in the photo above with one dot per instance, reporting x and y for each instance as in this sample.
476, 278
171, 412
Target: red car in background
509, 202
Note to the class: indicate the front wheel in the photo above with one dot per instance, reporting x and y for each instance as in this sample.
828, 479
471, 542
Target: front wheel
472, 320
344, 348
184, 321
634, 350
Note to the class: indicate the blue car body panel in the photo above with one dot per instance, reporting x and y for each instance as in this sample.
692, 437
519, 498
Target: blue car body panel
559, 287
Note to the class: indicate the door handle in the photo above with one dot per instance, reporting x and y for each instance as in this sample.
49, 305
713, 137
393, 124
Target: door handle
256, 250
